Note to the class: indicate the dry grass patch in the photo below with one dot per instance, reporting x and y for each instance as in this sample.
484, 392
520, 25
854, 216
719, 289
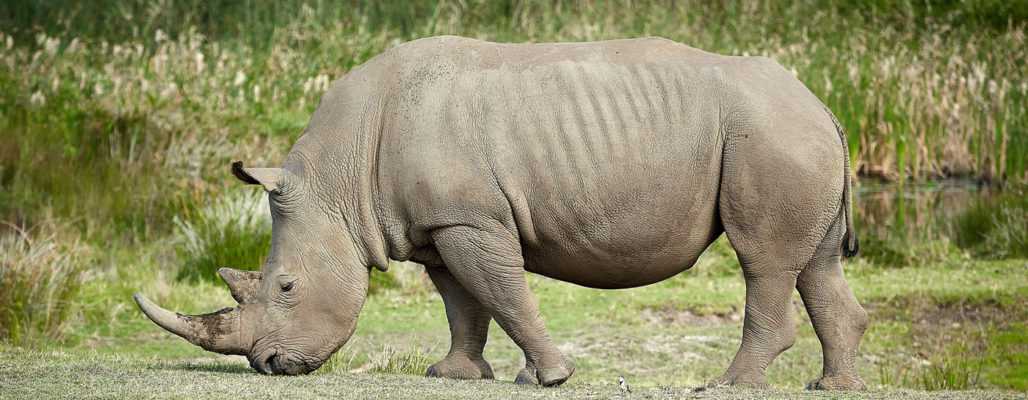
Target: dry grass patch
40, 275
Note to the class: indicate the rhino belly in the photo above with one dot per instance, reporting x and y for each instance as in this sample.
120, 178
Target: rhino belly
622, 262
630, 232
613, 170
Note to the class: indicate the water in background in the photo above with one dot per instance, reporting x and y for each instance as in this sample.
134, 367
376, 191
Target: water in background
901, 224
915, 211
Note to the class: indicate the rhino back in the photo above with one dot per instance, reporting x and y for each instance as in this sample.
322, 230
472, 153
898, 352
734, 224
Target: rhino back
604, 157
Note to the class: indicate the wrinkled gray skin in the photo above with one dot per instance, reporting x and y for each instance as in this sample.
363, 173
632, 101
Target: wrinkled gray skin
608, 164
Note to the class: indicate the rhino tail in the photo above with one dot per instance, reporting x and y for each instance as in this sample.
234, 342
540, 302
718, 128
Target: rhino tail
850, 243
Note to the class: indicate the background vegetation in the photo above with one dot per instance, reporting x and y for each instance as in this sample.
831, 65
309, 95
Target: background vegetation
119, 120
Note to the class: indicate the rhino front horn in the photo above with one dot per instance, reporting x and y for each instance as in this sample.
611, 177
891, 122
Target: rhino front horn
219, 331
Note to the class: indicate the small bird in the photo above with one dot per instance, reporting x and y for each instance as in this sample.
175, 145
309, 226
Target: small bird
623, 385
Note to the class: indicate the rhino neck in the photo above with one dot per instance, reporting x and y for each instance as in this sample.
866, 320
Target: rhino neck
339, 148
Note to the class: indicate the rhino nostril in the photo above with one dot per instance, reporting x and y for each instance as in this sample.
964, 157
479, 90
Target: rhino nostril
270, 362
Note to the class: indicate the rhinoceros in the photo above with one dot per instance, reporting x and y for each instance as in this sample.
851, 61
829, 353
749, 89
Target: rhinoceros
608, 164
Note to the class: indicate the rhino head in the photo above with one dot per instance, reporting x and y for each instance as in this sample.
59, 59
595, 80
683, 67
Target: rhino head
303, 304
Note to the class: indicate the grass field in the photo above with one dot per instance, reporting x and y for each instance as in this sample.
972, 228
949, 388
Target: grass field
119, 120
957, 324
953, 325
98, 376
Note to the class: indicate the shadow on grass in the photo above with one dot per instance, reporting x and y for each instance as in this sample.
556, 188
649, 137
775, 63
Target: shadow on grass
230, 368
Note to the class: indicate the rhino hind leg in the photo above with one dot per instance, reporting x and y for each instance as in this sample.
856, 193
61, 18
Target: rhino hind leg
488, 263
773, 244
768, 327
838, 318
781, 192
469, 330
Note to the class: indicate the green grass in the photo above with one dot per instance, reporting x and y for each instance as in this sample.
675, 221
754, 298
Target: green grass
671, 336
683, 332
46, 374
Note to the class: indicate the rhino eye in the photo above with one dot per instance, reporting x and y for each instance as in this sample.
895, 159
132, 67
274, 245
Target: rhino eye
287, 286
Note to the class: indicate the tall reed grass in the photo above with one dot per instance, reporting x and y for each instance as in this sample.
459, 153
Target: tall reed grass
134, 123
922, 93
40, 275
233, 231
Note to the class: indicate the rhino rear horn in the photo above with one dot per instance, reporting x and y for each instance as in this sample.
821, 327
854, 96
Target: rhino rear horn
220, 331
242, 284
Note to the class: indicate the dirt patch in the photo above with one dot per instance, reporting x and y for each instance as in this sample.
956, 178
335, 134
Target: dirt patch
935, 326
672, 315
928, 313
950, 344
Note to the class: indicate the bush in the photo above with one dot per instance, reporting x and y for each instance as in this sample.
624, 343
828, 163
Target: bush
235, 231
40, 274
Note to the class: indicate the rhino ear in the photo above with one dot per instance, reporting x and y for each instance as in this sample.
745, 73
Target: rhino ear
242, 284
270, 178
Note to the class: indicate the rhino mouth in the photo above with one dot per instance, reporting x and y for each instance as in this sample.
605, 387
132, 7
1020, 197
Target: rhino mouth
262, 362
272, 362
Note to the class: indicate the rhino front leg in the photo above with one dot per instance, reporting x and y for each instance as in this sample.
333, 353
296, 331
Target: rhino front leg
469, 329
488, 263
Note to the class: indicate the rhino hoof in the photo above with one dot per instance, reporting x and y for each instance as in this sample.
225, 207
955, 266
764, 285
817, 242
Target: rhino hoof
526, 377
751, 381
460, 368
554, 376
837, 383
546, 376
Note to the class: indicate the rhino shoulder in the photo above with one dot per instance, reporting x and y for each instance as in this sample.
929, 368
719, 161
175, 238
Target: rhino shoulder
762, 66
441, 40
434, 48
